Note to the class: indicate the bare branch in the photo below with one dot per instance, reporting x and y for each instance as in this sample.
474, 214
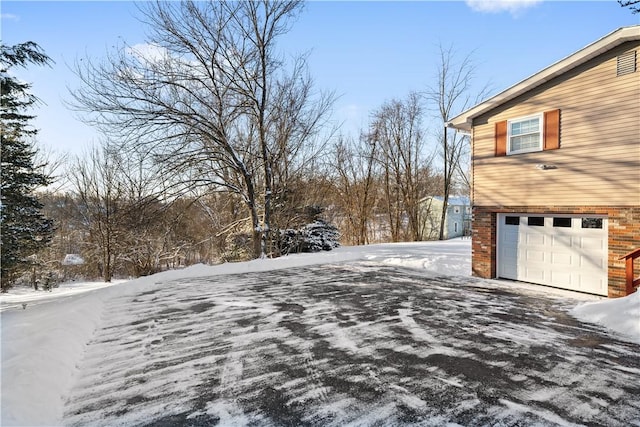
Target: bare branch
210, 98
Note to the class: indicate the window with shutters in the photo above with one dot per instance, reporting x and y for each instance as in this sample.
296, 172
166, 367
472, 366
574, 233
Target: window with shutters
536, 132
524, 135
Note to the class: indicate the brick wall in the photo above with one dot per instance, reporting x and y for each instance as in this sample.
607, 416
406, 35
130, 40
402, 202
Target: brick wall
624, 236
483, 243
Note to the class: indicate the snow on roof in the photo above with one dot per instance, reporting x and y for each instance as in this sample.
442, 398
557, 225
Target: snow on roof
72, 259
455, 200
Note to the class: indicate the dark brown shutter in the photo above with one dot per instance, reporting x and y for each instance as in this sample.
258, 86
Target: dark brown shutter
501, 138
552, 130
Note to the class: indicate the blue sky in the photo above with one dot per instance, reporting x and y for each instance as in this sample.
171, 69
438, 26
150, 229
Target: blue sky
368, 52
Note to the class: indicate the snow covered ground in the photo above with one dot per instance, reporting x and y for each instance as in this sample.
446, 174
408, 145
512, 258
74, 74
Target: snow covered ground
44, 343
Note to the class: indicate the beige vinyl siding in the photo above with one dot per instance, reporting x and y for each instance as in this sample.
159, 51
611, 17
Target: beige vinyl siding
598, 162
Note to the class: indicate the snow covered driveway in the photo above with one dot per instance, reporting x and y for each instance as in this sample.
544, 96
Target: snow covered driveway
350, 344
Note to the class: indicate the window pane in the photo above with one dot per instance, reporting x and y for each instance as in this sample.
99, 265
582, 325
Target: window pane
591, 222
525, 142
525, 126
516, 128
536, 220
512, 220
525, 135
530, 126
562, 222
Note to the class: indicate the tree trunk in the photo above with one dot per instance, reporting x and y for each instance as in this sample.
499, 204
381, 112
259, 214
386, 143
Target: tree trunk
447, 184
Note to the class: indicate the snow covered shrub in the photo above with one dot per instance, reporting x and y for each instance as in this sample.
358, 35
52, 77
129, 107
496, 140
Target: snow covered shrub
39, 277
320, 235
314, 237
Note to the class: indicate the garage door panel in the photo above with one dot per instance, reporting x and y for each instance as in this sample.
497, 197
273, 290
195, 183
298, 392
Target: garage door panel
509, 271
562, 259
534, 239
534, 256
595, 263
592, 284
590, 242
561, 241
508, 251
511, 238
557, 252
560, 278
534, 274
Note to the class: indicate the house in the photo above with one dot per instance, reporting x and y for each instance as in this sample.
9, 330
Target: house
556, 171
458, 217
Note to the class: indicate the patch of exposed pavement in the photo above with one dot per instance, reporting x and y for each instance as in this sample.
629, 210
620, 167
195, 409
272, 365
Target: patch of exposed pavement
350, 344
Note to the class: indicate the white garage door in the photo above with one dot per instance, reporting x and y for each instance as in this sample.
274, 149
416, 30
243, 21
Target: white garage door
568, 252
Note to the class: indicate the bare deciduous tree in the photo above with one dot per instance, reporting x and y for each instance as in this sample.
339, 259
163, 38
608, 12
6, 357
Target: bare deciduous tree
397, 130
633, 5
210, 97
355, 168
100, 194
120, 198
450, 96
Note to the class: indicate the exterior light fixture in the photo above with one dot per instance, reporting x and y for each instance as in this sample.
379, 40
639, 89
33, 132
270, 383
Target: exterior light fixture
545, 167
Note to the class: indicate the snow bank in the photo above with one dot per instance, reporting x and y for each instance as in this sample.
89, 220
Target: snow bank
621, 315
41, 346
449, 257
16, 297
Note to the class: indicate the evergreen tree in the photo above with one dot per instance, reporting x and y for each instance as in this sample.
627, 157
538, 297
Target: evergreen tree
24, 229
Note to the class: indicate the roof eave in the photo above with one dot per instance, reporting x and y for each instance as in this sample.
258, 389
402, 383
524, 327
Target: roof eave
622, 35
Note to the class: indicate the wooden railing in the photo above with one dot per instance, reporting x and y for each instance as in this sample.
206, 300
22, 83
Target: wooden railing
630, 282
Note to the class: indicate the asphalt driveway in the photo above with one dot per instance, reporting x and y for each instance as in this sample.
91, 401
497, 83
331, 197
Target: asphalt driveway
351, 344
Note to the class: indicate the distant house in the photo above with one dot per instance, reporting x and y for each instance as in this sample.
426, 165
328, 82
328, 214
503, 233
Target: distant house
72, 266
556, 172
72, 259
457, 220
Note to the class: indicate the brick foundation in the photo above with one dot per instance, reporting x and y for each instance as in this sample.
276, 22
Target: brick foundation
624, 236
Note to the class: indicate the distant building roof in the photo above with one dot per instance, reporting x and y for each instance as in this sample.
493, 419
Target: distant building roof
454, 200
72, 259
